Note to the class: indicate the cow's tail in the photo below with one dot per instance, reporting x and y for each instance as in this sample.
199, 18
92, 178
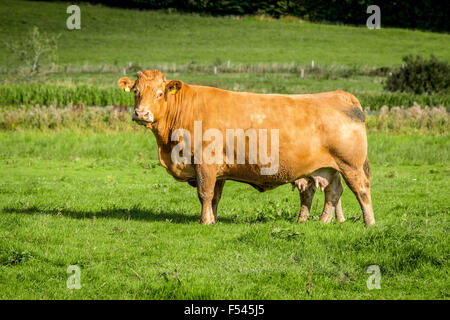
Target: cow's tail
353, 108
355, 101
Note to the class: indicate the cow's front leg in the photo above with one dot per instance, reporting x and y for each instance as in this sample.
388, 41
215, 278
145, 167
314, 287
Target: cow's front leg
339, 214
206, 182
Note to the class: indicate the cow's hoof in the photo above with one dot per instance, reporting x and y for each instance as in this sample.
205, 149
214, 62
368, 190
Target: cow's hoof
326, 218
302, 217
207, 221
369, 222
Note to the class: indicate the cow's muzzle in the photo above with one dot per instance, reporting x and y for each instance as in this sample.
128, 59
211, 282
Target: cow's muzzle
142, 117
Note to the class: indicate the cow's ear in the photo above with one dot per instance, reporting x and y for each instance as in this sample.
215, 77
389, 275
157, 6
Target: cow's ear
173, 86
125, 83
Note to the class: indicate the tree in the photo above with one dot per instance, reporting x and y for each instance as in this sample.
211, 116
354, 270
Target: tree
36, 49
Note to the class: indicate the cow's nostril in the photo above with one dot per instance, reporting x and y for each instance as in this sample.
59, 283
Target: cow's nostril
142, 115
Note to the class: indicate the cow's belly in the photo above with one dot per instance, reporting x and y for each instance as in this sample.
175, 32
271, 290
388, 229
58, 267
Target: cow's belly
251, 174
291, 166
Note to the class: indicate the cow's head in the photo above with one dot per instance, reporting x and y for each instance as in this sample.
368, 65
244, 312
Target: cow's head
150, 94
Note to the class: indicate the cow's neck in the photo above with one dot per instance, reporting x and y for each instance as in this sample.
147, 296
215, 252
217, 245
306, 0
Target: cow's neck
179, 114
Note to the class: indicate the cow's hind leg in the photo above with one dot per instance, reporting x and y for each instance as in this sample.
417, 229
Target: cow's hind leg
339, 214
217, 195
306, 198
206, 182
333, 192
358, 180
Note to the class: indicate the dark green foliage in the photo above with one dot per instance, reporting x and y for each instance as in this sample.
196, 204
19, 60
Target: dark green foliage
419, 76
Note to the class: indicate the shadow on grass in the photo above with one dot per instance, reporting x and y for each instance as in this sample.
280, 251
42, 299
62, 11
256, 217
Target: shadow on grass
116, 213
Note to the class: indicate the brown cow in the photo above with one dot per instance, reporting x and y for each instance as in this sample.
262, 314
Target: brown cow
307, 133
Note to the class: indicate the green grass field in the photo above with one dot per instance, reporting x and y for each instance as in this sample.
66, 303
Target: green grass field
148, 37
101, 201
265, 55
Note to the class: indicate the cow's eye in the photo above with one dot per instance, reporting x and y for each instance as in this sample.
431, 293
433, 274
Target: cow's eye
159, 94
136, 90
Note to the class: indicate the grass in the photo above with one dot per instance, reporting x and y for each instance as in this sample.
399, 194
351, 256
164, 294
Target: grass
414, 120
75, 193
154, 37
265, 55
102, 202
92, 95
